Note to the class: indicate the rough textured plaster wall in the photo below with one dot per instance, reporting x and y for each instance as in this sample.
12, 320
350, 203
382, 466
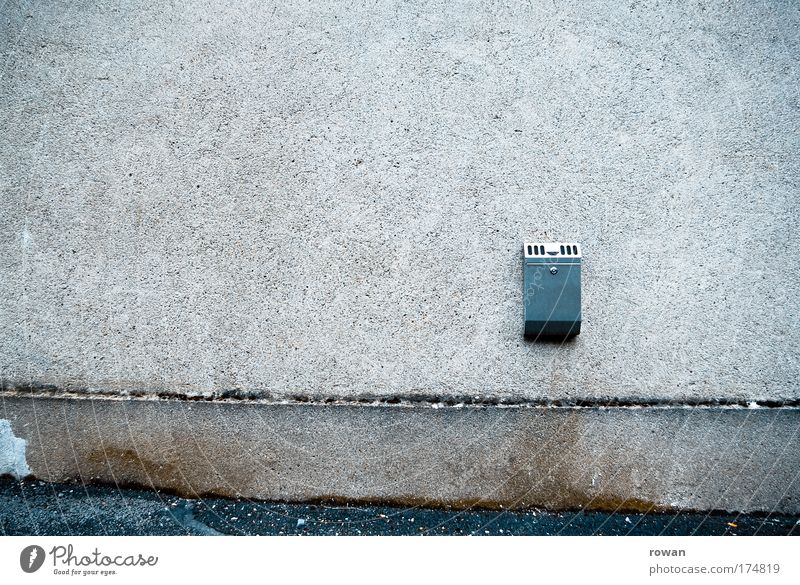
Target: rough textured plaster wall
329, 198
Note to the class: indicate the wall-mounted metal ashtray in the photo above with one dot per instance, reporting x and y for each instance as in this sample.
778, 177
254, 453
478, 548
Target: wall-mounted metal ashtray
552, 289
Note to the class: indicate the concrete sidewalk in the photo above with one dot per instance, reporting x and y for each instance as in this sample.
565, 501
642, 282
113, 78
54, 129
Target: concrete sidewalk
39, 508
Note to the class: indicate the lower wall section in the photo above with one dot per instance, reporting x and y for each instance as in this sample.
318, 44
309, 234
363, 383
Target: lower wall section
625, 459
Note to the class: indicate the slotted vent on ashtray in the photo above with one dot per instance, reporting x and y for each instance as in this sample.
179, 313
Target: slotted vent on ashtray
551, 250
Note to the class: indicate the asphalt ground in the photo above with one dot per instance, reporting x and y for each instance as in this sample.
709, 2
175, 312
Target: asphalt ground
39, 508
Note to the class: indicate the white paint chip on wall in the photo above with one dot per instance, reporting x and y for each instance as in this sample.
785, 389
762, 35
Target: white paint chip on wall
12, 453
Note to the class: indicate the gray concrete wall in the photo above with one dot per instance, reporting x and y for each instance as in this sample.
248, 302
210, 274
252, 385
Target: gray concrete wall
615, 459
329, 200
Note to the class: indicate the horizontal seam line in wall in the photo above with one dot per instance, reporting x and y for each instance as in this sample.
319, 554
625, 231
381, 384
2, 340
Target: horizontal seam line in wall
405, 402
